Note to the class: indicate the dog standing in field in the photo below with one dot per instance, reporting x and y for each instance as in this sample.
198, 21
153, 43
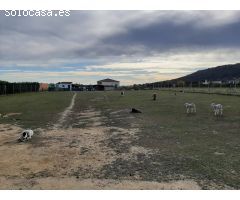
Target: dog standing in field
122, 93
26, 135
154, 96
190, 108
217, 109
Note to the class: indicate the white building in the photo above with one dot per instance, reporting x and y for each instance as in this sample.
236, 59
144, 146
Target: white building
109, 84
206, 82
217, 82
64, 86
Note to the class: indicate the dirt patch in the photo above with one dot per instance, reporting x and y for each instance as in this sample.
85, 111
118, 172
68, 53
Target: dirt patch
11, 114
123, 111
57, 151
73, 183
63, 153
219, 153
8, 134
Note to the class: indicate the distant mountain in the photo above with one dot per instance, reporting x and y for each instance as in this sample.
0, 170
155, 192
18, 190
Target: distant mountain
220, 73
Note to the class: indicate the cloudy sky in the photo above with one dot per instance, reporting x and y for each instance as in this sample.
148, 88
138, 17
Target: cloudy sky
130, 46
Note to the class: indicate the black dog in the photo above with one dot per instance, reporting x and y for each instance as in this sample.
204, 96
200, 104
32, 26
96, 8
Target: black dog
135, 111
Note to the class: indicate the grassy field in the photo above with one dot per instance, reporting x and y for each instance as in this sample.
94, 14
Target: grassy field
212, 90
200, 147
33, 110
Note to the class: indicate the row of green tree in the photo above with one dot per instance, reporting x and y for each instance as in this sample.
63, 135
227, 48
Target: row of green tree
180, 84
12, 88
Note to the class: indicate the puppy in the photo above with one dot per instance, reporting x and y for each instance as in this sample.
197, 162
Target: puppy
26, 135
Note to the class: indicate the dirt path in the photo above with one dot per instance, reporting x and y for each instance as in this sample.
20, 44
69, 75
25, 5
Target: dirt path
65, 114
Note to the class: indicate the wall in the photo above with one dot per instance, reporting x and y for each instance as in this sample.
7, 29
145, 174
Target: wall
43, 87
110, 83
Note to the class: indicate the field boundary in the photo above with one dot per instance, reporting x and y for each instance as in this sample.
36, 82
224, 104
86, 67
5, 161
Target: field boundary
200, 92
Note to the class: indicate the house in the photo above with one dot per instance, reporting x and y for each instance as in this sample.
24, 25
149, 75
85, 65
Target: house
65, 86
109, 84
217, 82
43, 87
234, 81
206, 82
76, 87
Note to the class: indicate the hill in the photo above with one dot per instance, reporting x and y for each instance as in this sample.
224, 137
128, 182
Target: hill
225, 74
220, 73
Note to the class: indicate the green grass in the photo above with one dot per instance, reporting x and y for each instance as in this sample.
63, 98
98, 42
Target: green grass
37, 109
185, 145
211, 90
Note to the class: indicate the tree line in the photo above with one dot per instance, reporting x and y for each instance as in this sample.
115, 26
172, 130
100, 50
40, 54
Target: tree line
13, 88
182, 84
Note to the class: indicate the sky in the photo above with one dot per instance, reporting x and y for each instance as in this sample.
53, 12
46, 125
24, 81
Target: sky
129, 46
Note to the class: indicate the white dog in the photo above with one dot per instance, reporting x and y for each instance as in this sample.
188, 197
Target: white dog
26, 135
190, 107
217, 109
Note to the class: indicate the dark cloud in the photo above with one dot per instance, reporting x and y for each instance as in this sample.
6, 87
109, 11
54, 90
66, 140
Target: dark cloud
103, 33
165, 36
105, 37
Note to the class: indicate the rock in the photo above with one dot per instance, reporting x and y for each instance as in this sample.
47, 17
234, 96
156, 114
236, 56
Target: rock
219, 153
